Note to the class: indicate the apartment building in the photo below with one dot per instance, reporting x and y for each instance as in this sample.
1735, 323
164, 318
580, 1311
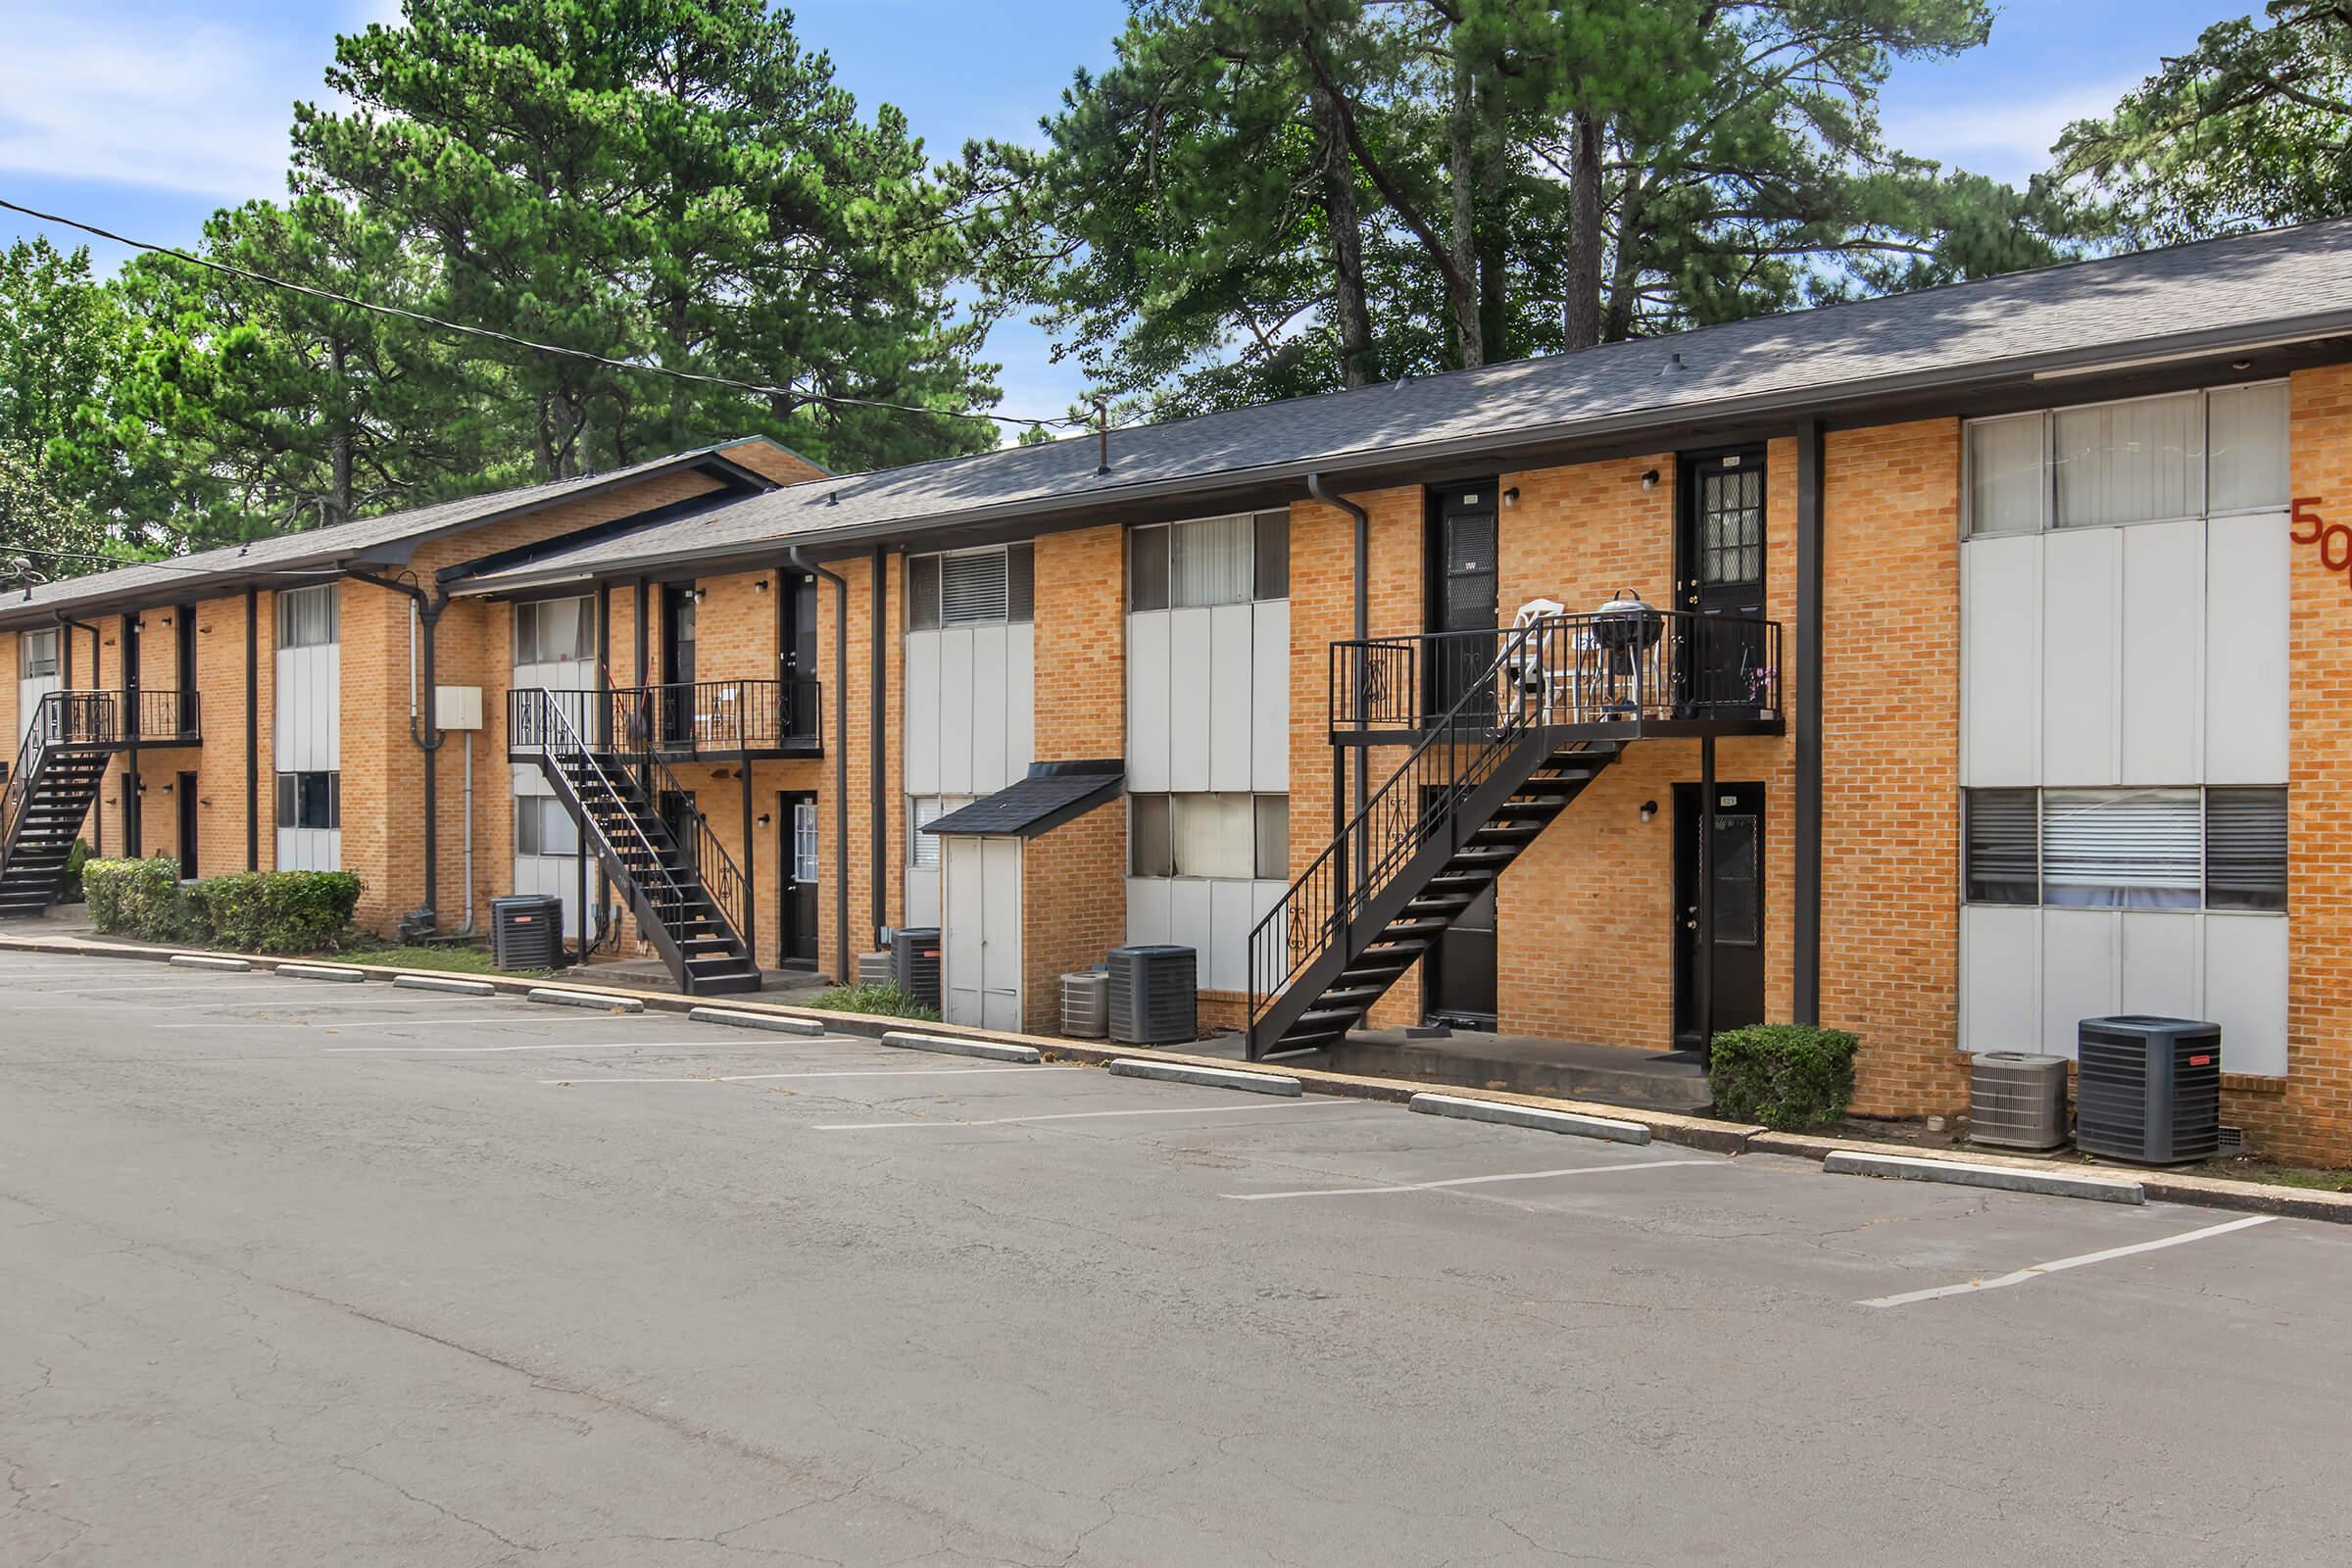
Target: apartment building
1948, 668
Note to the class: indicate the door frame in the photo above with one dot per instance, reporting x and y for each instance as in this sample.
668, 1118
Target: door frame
1684, 909
1704, 652
789, 933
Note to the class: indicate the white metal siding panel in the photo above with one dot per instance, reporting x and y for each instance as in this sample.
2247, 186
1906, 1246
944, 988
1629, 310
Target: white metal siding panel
1146, 910
28, 697
2001, 642
1188, 699
2160, 968
1270, 699
1021, 700
964, 928
1225, 962
310, 849
2245, 649
957, 694
308, 704
2245, 991
557, 874
922, 896
2079, 656
990, 703
922, 712
1192, 918
2000, 971
2163, 652
1230, 644
1000, 967
565, 675
2079, 975
1148, 683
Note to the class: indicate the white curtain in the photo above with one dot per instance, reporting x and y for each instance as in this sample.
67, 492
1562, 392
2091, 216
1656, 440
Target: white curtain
1212, 562
2247, 437
307, 618
2005, 482
2134, 461
1215, 835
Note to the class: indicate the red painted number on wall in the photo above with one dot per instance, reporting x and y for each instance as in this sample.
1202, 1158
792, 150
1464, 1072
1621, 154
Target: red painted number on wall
2334, 539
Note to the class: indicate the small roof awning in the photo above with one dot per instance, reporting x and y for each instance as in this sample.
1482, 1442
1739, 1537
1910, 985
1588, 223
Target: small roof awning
1052, 794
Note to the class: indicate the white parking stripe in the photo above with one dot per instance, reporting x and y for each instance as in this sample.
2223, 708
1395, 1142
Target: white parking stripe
1083, 1115
1470, 1181
310, 1000
2082, 1260
854, 1072
558, 1045
324, 1005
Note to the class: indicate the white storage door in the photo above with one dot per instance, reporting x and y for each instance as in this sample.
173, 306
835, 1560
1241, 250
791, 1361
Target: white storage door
980, 942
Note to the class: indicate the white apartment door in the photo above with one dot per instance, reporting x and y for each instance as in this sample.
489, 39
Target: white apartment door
38, 664
980, 940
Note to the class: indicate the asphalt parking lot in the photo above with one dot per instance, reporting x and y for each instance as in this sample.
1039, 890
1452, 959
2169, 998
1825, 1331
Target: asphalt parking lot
295, 1272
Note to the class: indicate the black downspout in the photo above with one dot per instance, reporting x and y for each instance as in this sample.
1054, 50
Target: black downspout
1809, 617
134, 823
846, 973
750, 862
604, 738
645, 703
877, 743
1702, 1002
428, 740
1363, 622
253, 729
66, 629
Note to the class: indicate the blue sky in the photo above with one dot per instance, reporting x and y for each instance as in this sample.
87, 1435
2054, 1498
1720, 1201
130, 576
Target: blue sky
176, 106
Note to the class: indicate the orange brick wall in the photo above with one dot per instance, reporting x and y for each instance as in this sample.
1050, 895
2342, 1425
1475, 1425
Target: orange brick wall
1073, 908
1891, 761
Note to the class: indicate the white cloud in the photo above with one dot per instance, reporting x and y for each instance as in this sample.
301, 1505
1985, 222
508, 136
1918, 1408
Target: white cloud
191, 107
2007, 138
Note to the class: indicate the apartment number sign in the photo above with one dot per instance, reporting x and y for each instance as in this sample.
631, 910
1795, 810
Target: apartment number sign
2334, 539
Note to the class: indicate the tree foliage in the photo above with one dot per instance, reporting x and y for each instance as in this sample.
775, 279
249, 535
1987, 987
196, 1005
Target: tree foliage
1281, 196
61, 345
2251, 129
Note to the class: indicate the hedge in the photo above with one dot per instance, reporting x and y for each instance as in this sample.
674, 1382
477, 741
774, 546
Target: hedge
250, 911
1784, 1076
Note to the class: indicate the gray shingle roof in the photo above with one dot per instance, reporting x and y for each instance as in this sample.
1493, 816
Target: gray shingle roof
317, 548
2214, 294
1051, 795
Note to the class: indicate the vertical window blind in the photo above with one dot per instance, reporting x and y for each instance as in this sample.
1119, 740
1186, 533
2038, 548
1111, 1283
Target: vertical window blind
308, 618
1213, 560
2148, 460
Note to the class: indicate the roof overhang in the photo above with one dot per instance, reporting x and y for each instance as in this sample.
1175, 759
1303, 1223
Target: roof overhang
1052, 794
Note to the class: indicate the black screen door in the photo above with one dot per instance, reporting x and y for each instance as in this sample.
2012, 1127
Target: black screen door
1719, 572
677, 662
795, 903
1737, 867
1465, 579
186, 799
795, 645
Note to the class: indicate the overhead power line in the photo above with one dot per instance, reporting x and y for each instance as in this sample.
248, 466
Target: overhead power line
510, 340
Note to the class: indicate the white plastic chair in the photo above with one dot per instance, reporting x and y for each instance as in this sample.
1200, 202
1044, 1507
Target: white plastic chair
1537, 672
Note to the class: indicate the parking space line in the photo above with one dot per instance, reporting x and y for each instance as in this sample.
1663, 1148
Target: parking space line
846, 1072
552, 1045
1085, 1116
1470, 1181
328, 1005
2081, 1260
307, 997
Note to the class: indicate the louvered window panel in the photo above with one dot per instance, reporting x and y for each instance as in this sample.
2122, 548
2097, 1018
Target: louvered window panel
2001, 834
1021, 582
972, 588
922, 593
2122, 849
2245, 849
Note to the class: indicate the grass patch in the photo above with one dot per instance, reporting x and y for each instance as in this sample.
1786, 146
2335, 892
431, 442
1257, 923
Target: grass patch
452, 958
885, 1002
2267, 1173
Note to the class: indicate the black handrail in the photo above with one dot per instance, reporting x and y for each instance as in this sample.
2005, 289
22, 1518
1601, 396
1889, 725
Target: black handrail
92, 718
725, 715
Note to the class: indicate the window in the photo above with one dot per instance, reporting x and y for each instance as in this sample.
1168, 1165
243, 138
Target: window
2137, 849
2144, 460
1233, 836
542, 827
922, 849
1731, 526
804, 842
1736, 861
36, 655
971, 587
308, 618
554, 631
1215, 560
310, 800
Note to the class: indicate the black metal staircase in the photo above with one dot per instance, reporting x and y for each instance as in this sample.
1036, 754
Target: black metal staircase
56, 774
1532, 714
682, 885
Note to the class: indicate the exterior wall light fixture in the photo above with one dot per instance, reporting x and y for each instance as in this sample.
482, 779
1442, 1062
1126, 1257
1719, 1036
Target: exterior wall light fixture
1649, 480
1650, 808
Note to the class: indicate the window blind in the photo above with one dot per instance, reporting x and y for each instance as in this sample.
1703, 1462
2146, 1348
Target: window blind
2134, 461
2005, 484
553, 631
307, 618
2001, 838
922, 849
2246, 438
2127, 850
1021, 582
972, 588
1273, 530
2245, 849
1209, 562
922, 593
40, 650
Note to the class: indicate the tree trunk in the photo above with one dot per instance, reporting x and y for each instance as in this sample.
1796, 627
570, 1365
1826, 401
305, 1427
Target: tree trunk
1580, 311
1625, 278
1359, 365
338, 446
1462, 177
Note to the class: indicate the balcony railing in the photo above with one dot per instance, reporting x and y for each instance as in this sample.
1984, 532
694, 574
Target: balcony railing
149, 716
708, 717
1660, 671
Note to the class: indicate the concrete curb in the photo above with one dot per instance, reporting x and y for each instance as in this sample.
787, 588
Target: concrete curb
986, 1050
1177, 1072
2000, 1178
320, 971
1688, 1132
602, 1001
737, 1019
446, 984
205, 960
1573, 1123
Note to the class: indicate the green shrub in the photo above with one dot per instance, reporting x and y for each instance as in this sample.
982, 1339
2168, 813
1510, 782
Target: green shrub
1785, 1076
887, 1001
69, 891
249, 911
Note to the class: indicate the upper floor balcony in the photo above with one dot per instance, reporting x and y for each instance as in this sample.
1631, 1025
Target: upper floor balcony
1621, 673
76, 719
736, 720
